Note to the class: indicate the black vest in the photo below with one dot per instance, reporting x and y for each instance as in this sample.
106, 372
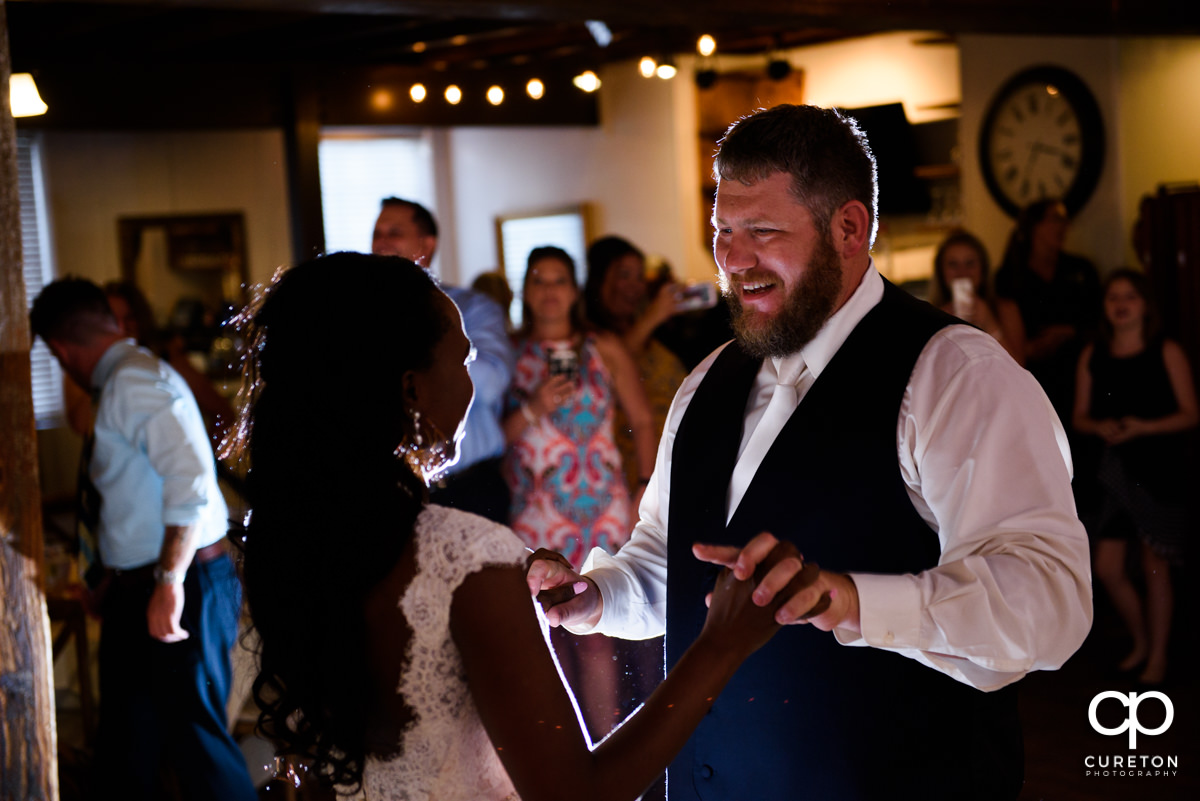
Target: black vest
806, 717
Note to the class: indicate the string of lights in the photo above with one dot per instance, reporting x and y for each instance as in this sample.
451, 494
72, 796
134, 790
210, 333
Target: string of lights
662, 67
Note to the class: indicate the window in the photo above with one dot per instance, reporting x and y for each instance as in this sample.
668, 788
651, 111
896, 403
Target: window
38, 270
358, 171
518, 234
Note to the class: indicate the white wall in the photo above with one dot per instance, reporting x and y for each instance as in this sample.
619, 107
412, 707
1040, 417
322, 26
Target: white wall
94, 178
917, 68
636, 170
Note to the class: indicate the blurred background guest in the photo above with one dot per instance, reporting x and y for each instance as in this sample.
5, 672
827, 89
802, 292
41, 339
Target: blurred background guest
563, 467
616, 300
494, 284
136, 321
1058, 295
695, 330
960, 287
1135, 393
134, 315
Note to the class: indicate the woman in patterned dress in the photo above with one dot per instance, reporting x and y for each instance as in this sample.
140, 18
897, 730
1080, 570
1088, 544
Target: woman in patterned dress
563, 466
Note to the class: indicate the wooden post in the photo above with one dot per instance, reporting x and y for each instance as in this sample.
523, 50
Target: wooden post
302, 136
28, 758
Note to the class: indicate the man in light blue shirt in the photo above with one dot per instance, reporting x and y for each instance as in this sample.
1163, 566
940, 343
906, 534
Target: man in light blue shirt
171, 599
407, 229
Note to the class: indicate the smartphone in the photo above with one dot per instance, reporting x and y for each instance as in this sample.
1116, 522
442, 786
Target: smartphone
563, 361
700, 295
962, 292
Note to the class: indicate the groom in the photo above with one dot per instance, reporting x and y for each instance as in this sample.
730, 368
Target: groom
921, 473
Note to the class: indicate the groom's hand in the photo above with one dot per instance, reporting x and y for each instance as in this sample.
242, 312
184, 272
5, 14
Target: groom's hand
566, 597
823, 598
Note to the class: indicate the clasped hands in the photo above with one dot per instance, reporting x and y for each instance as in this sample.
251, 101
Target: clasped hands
1116, 431
823, 598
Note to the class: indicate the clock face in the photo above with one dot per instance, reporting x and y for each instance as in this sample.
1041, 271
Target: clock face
1042, 138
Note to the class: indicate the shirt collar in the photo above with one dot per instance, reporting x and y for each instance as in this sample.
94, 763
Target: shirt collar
821, 350
109, 361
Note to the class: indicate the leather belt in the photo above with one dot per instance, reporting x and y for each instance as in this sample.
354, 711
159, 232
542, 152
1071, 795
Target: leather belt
209, 552
146, 572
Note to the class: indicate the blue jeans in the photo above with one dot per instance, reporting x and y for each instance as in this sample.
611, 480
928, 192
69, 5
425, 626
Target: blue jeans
162, 705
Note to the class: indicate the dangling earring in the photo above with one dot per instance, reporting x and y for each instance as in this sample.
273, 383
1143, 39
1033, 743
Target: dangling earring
427, 461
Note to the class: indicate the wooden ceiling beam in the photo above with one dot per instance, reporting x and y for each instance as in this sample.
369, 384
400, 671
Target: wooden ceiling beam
978, 16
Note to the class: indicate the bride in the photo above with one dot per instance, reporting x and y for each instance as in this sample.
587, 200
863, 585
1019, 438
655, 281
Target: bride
401, 655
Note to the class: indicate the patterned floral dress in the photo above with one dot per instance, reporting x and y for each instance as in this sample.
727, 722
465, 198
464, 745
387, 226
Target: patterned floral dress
565, 473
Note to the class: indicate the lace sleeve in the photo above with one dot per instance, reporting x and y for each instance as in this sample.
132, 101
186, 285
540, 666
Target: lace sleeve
454, 544
445, 751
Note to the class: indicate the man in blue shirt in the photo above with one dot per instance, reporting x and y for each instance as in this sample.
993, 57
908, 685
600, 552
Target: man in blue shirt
172, 598
407, 229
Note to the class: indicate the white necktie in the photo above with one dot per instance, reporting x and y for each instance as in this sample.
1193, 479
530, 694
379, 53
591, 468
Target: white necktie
783, 402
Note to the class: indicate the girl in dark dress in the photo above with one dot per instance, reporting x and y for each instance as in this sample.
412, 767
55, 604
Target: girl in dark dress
1134, 391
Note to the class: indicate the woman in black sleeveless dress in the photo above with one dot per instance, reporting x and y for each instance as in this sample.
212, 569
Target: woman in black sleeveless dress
1134, 391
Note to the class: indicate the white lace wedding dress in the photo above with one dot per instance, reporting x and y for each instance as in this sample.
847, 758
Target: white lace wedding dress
446, 754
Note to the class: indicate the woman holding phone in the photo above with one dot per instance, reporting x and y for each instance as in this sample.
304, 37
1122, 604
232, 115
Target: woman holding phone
960, 287
563, 467
616, 299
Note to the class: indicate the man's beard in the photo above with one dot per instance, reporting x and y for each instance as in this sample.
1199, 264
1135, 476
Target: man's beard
806, 308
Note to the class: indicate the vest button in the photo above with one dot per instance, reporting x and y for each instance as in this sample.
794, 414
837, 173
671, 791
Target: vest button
706, 772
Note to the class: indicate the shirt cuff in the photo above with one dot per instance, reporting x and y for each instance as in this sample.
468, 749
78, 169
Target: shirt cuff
889, 611
594, 567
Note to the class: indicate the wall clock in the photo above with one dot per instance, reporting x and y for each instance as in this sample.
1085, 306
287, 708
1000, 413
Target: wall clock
1042, 137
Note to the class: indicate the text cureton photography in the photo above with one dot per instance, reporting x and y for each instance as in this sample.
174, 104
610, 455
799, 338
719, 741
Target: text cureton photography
1123, 710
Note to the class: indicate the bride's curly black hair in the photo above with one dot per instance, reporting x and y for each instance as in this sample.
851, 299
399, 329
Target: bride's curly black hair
332, 507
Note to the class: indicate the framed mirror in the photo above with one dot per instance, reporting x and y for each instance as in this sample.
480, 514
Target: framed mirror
568, 227
195, 258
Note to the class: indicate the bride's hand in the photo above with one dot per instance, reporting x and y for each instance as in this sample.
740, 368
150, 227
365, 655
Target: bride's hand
734, 621
566, 597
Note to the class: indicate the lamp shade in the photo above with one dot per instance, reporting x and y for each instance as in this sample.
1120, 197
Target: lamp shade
23, 96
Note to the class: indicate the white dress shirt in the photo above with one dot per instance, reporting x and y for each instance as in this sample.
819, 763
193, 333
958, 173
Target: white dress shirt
151, 462
987, 466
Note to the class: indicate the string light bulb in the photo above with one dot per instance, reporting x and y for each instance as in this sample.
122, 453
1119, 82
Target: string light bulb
495, 95
535, 88
382, 100
453, 95
666, 71
706, 45
417, 92
647, 66
587, 81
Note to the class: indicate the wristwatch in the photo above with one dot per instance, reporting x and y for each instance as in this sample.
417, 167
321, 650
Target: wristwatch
168, 576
